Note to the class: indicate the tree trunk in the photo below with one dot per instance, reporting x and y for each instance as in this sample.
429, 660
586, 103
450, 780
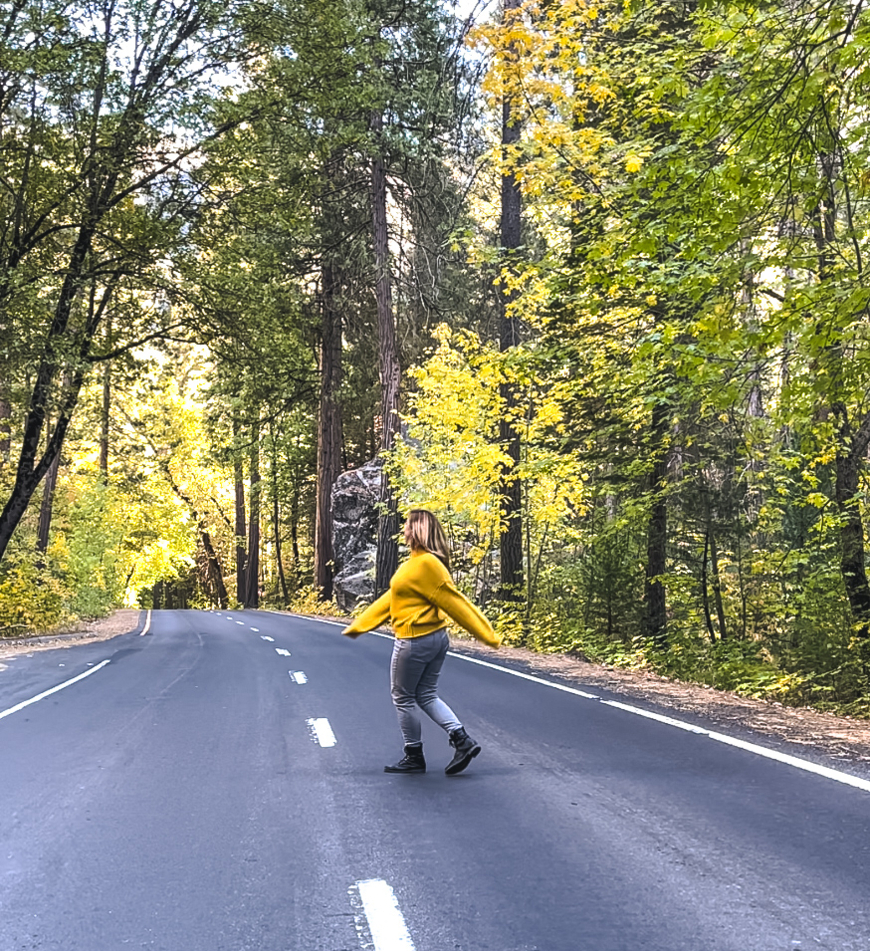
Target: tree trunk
294, 531
329, 434
851, 451
276, 522
717, 586
5, 432
252, 597
655, 610
510, 489
240, 526
705, 595
285, 594
388, 364
31, 470
105, 408
213, 567
104, 421
43, 532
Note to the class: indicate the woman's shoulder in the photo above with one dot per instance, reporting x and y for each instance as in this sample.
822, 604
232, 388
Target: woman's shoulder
427, 563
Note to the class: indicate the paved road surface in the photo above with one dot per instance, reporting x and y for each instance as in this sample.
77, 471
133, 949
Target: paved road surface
179, 798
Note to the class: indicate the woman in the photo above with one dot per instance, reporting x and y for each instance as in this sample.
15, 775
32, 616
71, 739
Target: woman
421, 598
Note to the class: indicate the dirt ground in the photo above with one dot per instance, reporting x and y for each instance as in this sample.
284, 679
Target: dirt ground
841, 737
85, 632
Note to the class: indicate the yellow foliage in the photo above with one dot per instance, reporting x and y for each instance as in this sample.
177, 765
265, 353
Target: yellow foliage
452, 462
633, 162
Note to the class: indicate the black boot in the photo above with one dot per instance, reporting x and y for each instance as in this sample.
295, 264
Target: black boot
411, 762
465, 749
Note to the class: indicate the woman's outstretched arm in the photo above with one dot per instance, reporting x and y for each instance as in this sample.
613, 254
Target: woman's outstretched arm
376, 614
459, 609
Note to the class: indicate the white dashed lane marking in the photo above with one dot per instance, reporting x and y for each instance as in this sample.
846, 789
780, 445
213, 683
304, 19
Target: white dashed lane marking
282, 651
265, 637
256, 630
321, 731
380, 925
299, 676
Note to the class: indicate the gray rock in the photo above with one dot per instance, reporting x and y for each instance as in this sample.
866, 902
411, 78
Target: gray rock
356, 580
354, 532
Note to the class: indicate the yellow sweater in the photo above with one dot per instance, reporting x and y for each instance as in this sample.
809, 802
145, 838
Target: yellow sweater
421, 598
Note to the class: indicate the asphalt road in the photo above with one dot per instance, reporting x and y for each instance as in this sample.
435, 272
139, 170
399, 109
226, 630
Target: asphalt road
185, 796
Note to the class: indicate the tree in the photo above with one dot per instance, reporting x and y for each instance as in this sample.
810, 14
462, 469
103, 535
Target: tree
94, 180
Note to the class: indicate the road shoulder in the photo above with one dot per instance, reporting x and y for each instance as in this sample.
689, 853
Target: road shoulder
118, 622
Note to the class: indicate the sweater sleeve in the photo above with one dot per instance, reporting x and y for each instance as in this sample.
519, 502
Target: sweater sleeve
376, 614
459, 609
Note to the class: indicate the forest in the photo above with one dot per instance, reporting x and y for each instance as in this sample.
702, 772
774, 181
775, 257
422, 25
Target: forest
586, 277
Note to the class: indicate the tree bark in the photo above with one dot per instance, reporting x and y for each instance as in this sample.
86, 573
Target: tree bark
852, 449
388, 364
705, 594
717, 586
294, 530
329, 431
276, 522
252, 591
43, 532
5, 432
214, 569
105, 407
281, 576
510, 488
655, 608
240, 529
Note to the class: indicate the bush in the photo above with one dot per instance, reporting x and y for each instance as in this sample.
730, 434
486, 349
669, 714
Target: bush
32, 598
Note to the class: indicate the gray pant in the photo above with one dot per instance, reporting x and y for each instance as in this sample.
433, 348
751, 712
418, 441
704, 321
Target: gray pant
414, 671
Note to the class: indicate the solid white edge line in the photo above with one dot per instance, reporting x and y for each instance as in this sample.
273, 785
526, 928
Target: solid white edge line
797, 762
321, 731
661, 718
806, 765
147, 624
522, 676
48, 693
386, 924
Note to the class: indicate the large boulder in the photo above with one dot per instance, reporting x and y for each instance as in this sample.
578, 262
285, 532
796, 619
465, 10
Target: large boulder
354, 534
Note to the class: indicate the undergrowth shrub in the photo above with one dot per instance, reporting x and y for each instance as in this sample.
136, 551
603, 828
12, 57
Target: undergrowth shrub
32, 597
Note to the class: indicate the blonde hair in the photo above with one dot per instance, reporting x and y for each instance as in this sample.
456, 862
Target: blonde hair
425, 533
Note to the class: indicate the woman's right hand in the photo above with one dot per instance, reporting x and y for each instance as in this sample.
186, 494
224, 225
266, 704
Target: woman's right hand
350, 632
